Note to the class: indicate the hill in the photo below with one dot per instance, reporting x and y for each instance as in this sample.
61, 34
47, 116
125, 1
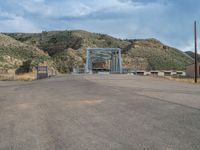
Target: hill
156, 55
192, 54
20, 57
67, 48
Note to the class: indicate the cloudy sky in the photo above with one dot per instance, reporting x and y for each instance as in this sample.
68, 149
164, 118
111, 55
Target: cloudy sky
170, 21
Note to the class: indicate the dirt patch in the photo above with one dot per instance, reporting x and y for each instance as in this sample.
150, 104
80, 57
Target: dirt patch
84, 102
25, 106
91, 101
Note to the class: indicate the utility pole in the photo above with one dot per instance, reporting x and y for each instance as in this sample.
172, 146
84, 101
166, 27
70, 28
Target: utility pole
195, 45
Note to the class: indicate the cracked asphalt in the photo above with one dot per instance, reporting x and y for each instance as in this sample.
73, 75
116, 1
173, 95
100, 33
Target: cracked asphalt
99, 112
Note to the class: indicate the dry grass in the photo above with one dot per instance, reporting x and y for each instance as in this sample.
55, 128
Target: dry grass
13, 77
182, 79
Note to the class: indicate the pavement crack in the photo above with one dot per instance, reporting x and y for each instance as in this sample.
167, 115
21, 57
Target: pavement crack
166, 101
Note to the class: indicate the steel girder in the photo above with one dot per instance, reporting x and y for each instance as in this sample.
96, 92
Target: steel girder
104, 54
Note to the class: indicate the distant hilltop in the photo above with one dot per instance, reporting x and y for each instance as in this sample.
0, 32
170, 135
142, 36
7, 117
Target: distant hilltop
192, 54
65, 50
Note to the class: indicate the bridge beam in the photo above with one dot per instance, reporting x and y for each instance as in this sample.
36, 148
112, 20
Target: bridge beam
112, 54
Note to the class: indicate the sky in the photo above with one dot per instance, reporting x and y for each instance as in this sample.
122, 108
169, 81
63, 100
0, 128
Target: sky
170, 21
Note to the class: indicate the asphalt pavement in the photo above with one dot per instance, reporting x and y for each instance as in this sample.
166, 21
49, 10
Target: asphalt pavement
99, 112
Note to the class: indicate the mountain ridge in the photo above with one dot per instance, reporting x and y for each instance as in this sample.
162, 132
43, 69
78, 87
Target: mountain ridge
69, 46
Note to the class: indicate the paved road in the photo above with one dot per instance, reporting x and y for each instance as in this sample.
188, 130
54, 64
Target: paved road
116, 112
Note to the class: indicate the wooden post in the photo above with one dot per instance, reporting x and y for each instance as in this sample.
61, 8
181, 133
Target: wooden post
195, 45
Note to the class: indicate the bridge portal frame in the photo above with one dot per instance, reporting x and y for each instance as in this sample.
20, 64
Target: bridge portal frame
116, 59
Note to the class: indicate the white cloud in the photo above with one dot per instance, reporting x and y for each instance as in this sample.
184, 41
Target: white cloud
72, 8
168, 20
17, 24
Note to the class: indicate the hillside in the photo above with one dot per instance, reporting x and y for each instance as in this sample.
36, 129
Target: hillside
20, 57
192, 54
66, 47
156, 56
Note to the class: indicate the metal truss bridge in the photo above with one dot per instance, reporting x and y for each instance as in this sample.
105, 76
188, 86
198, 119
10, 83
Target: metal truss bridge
94, 55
